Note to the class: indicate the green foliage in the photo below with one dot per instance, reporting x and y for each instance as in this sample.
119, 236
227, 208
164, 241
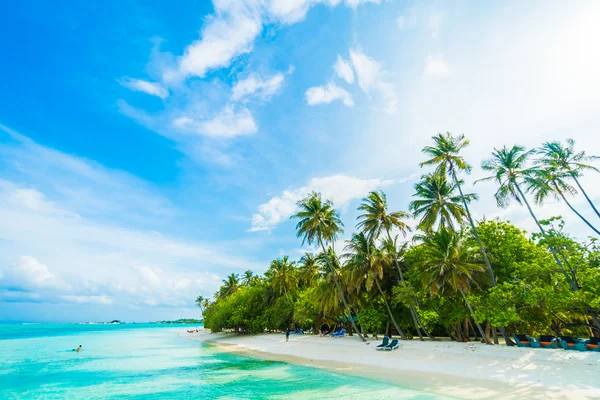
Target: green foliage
372, 320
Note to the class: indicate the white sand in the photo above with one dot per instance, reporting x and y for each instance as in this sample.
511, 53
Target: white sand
470, 371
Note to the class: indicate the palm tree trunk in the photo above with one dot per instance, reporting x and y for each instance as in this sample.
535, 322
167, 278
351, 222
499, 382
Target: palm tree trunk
472, 223
575, 211
287, 296
413, 312
586, 196
340, 293
479, 328
402, 335
552, 250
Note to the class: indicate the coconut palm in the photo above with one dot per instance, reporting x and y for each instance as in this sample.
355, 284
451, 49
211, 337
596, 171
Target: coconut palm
550, 181
319, 224
437, 203
230, 285
248, 277
566, 160
200, 303
283, 277
445, 155
310, 270
366, 262
510, 171
375, 220
447, 264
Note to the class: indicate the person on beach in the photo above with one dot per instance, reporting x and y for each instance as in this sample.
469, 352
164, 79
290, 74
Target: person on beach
287, 334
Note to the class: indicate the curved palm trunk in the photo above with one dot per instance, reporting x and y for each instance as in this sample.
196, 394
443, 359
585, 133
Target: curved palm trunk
287, 296
552, 250
402, 335
575, 211
479, 328
586, 196
488, 265
341, 294
413, 312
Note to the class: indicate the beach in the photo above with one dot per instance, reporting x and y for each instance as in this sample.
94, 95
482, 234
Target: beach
463, 370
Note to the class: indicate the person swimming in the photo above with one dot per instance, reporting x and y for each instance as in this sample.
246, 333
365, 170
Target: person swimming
78, 349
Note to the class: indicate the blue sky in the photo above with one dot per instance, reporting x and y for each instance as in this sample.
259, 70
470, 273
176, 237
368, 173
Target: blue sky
147, 150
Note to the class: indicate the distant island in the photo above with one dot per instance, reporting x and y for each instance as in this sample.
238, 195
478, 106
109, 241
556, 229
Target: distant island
117, 322
180, 321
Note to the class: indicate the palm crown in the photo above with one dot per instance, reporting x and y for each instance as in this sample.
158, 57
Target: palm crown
445, 153
376, 217
318, 221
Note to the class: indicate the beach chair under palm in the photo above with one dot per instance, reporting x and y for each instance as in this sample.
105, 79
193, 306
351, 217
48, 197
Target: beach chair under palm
593, 344
393, 345
386, 341
522, 341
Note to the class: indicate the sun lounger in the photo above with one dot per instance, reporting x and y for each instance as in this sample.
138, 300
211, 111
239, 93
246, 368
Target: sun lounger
392, 346
523, 341
593, 344
569, 343
386, 341
339, 333
545, 341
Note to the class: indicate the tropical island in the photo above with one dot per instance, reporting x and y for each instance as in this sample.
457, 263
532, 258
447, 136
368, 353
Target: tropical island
476, 282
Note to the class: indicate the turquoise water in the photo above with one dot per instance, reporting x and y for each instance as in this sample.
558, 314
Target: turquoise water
154, 362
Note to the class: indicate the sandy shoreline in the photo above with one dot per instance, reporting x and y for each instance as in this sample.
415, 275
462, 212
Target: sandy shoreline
470, 371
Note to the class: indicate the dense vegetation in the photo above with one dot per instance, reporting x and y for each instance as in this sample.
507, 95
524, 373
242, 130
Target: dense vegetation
457, 277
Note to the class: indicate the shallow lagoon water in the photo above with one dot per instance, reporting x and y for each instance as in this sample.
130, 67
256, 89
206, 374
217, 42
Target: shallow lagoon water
154, 362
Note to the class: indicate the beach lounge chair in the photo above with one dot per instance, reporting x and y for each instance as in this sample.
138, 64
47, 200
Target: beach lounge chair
522, 341
593, 344
339, 333
392, 346
569, 343
386, 341
545, 341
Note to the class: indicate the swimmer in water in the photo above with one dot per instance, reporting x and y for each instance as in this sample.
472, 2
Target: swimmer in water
78, 349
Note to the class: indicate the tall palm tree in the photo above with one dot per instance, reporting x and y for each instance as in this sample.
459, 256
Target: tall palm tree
377, 219
366, 261
282, 275
510, 170
445, 155
437, 203
230, 285
309, 269
447, 263
200, 303
248, 277
319, 223
550, 181
565, 159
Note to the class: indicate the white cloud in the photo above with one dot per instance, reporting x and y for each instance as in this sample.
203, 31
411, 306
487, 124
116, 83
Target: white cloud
151, 88
436, 67
343, 69
30, 273
227, 124
371, 78
356, 3
254, 85
327, 94
340, 189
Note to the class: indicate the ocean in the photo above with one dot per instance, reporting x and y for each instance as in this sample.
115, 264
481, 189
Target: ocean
145, 361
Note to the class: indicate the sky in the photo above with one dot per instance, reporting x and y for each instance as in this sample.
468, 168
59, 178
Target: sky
148, 150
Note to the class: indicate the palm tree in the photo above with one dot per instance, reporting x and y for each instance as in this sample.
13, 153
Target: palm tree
248, 277
447, 263
309, 269
366, 261
565, 159
445, 155
282, 274
437, 204
200, 303
319, 223
375, 220
509, 166
230, 285
551, 181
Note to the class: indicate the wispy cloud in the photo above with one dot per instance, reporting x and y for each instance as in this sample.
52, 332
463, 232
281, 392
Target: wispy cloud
139, 85
436, 67
371, 78
343, 69
328, 94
